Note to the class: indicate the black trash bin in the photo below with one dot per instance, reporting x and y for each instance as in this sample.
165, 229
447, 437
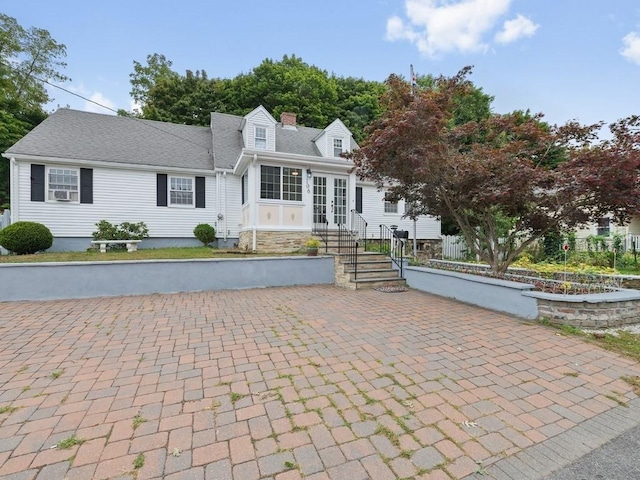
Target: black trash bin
401, 234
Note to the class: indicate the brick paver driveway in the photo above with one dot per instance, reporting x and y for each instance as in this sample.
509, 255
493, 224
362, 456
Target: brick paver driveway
285, 383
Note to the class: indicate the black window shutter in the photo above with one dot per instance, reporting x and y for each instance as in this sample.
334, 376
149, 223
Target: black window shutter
359, 199
200, 192
37, 183
86, 185
161, 190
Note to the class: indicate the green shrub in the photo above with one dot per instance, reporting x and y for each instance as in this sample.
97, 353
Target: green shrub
205, 233
24, 238
552, 246
124, 231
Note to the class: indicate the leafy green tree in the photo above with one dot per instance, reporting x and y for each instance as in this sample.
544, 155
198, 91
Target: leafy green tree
27, 56
144, 77
358, 103
288, 85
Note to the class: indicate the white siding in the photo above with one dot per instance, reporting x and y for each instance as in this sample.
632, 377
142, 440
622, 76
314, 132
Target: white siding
373, 212
231, 193
325, 141
260, 118
321, 143
118, 196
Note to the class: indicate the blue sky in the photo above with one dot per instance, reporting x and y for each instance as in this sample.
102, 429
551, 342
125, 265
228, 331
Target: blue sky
569, 59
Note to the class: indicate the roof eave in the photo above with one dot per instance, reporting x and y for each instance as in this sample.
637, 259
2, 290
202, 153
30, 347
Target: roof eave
99, 163
291, 158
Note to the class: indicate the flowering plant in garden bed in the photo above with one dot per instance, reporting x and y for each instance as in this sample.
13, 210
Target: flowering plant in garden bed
573, 283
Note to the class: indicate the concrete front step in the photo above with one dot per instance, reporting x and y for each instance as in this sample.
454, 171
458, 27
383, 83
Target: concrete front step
371, 283
367, 257
339, 251
370, 265
384, 273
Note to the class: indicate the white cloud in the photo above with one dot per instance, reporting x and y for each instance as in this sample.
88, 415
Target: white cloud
441, 26
102, 100
631, 50
515, 29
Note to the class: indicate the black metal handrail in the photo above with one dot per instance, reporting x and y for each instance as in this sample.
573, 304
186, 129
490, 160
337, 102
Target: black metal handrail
359, 226
348, 248
321, 230
391, 243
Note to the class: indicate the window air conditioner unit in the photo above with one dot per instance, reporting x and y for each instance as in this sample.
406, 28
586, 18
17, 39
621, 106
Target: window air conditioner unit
61, 195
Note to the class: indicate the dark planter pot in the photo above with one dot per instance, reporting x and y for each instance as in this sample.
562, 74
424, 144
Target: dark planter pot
312, 252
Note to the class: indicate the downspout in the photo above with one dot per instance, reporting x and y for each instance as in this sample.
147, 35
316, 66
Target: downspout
217, 221
252, 185
224, 176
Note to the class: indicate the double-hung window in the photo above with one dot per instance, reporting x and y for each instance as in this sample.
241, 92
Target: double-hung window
260, 139
63, 184
389, 206
292, 184
280, 183
181, 191
337, 147
604, 227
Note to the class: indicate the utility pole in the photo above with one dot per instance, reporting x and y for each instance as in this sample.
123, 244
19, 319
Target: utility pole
414, 87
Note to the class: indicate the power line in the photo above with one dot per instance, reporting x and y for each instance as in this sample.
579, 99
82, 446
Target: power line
117, 112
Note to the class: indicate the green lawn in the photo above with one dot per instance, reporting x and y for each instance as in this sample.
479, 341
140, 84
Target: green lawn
143, 254
625, 343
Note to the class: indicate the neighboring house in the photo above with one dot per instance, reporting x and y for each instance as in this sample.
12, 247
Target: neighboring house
262, 183
606, 227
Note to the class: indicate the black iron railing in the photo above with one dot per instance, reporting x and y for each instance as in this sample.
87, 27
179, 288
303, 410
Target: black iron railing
359, 227
392, 243
348, 248
322, 230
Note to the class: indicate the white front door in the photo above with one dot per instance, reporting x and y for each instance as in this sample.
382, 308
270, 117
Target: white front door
330, 199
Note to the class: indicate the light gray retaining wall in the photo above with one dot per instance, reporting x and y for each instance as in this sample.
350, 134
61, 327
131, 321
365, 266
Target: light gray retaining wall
49, 281
598, 310
492, 293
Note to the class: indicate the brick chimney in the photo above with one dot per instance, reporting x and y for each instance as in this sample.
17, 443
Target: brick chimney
288, 120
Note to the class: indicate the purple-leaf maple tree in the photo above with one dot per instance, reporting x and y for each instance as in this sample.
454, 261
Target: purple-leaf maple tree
507, 179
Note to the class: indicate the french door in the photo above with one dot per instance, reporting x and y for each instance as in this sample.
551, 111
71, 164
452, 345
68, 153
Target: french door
330, 199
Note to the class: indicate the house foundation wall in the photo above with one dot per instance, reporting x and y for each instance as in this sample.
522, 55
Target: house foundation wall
430, 249
81, 244
274, 241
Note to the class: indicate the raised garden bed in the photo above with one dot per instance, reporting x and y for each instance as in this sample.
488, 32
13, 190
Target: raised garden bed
612, 307
566, 283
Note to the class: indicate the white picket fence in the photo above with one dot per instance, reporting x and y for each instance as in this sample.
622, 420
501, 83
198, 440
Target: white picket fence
455, 248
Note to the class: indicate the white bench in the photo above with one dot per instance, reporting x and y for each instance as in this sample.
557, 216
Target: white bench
132, 245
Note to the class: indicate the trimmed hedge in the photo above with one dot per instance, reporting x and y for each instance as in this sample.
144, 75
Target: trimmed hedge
23, 238
205, 233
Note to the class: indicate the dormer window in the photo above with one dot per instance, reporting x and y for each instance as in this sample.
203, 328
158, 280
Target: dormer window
337, 147
260, 140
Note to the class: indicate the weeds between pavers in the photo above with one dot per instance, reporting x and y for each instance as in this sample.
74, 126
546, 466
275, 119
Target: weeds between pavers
138, 420
70, 442
138, 462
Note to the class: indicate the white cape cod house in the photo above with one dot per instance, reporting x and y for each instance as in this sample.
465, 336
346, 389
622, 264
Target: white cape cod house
263, 184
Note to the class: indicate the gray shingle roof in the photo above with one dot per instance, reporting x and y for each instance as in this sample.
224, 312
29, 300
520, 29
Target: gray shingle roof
297, 141
227, 139
73, 134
